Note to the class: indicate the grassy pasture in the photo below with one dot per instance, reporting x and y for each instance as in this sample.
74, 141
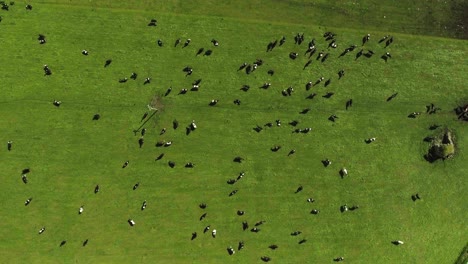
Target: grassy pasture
69, 154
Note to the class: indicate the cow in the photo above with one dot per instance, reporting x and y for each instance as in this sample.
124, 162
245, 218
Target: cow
315, 211
245, 225
365, 39
84, 52
310, 200
386, 56
237, 102
319, 80
136, 186
397, 242
183, 91
292, 151
304, 111
177, 42
187, 42
307, 64
282, 41
325, 56
255, 230
215, 42
124, 80
240, 212
354, 207
171, 164
327, 82
9, 145
41, 39
293, 55
343, 172
141, 141
208, 53
332, 118
232, 193
278, 122
80, 210
271, 72
175, 124
241, 245
265, 259
28, 201
194, 235
160, 43
168, 91
343, 208
143, 205
28, 7
243, 65
213, 233
370, 140
85, 242
125, 164
414, 115
311, 96
359, 54
341, 74
202, 206
260, 223
96, 189
241, 174
275, 148
57, 103
273, 247
213, 102
42, 230
200, 51
389, 41
231, 251
189, 165
326, 162
308, 85
152, 23
338, 259
294, 123
202, 216
415, 197
300, 188
160, 156
238, 159
302, 241
328, 95
96, 116
296, 233
206, 229
266, 85
147, 80
131, 222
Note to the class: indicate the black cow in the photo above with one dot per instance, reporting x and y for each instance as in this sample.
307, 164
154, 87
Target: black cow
238, 159
136, 185
57, 103
200, 51
203, 216
296, 233
340, 74
140, 142
325, 56
160, 156
291, 152
28, 7
194, 235
307, 64
359, 54
300, 188
85, 242
237, 102
153, 23
328, 95
304, 111
294, 123
384, 38
265, 259
314, 211
240, 212
206, 229
271, 72
333, 118
96, 189
243, 65
302, 241
327, 82
208, 53
392, 96
160, 43
415, 197
245, 225
293, 55
177, 42
232, 193
125, 164
230, 250
171, 164
63, 243
260, 223
389, 41
273, 247
282, 41
202, 205
175, 124
311, 96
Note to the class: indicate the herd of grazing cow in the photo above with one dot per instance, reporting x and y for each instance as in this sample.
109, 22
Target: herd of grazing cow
312, 48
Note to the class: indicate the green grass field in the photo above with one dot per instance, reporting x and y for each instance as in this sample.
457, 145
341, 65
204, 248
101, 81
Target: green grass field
69, 153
